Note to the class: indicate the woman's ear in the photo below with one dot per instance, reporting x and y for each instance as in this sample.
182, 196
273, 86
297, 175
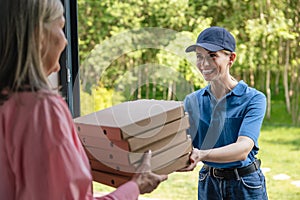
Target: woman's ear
232, 58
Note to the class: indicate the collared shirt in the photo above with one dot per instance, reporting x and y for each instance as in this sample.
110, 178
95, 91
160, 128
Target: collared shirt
217, 123
41, 156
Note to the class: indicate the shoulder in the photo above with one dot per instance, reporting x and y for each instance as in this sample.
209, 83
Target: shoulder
198, 93
194, 100
54, 118
242, 89
49, 97
35, 103
252, 98
47, 100
45, 114
54, 105
28, 97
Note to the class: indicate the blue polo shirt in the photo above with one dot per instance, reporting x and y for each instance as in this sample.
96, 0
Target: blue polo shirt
217, 123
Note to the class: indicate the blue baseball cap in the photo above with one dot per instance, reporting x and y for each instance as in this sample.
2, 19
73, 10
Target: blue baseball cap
214, 39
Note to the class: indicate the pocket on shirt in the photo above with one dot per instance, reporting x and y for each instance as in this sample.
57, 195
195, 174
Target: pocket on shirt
232, 127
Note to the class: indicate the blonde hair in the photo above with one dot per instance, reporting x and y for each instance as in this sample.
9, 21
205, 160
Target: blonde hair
22, 23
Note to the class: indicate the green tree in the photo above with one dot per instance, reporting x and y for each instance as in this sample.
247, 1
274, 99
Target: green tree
121, 43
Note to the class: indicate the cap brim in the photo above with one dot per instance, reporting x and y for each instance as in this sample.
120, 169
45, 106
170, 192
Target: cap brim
191, 48
207, 46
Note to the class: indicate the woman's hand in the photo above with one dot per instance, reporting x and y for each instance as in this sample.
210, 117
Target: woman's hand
145, 179
195, 157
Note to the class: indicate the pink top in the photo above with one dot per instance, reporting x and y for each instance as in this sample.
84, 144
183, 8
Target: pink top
41, 156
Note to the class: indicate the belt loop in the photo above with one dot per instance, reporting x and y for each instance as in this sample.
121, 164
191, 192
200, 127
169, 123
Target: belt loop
257, 164
209, 171
237, 174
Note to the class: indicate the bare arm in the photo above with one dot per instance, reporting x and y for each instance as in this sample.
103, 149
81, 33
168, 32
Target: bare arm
229, 153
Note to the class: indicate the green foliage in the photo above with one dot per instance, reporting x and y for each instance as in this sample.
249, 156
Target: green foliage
119, 39
279, 116
100, 98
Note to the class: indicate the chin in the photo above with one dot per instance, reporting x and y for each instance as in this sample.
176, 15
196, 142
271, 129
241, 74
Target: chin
54, 69
207, 78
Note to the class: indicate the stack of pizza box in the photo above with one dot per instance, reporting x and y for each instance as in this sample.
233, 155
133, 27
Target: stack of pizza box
116, 138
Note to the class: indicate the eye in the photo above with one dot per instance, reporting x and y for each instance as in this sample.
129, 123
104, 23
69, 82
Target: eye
212, 55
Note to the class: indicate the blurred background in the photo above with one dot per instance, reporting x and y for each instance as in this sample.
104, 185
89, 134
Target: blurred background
134, 49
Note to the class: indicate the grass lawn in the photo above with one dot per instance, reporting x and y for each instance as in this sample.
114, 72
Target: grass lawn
279, 151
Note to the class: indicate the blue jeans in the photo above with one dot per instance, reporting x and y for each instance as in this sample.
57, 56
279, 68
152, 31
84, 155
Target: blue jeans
248, 187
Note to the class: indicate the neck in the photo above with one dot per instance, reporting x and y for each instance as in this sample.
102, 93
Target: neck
220, 88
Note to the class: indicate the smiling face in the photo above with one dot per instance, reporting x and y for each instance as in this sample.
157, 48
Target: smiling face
53, 44
213, 65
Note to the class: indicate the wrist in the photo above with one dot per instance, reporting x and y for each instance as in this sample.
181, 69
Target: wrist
205, 154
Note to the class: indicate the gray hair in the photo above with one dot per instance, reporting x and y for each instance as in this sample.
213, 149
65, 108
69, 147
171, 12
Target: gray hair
22, 23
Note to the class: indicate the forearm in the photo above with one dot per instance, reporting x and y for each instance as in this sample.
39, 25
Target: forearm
127, 191
229, 153
233, 152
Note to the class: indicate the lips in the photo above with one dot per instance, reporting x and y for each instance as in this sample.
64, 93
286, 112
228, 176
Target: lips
207, 72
